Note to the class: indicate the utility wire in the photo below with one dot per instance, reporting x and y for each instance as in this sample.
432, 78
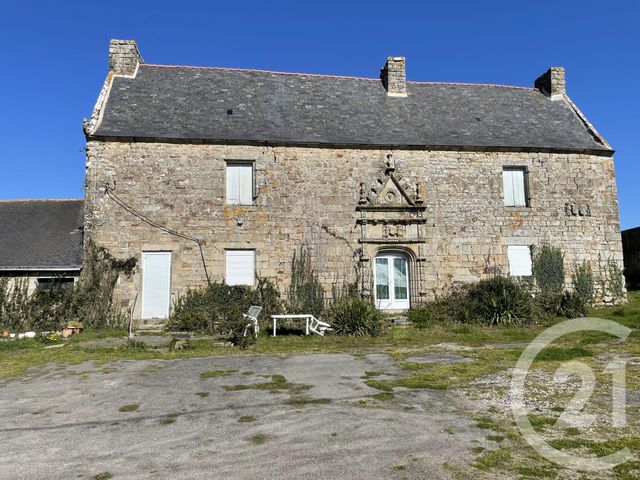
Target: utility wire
108, 189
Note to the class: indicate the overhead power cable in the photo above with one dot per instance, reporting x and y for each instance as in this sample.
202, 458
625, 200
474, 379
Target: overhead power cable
109, 190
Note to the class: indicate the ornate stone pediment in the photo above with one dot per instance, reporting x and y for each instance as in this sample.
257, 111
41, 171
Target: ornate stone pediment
391, 192
391, 209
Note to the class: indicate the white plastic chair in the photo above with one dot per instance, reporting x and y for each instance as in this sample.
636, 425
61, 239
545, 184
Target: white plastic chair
252, 316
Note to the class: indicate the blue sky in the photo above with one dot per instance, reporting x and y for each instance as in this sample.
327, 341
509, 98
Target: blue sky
54, 58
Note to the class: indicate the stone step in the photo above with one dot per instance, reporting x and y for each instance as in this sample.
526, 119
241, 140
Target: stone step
150, 327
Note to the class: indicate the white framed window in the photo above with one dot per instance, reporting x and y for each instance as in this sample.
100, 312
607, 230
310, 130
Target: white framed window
239, 183
514, 184
520, 263
240, 267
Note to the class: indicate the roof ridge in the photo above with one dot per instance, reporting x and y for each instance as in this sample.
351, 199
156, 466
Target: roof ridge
16, 200
326, 75
232, 69
467, 84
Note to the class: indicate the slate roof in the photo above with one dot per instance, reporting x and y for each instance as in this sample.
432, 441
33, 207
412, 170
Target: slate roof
41, 234
164, 102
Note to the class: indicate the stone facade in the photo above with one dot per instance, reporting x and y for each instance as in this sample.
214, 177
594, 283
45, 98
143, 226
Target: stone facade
443, 208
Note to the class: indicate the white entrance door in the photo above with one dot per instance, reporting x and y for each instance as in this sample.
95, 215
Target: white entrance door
156, 284
391, 282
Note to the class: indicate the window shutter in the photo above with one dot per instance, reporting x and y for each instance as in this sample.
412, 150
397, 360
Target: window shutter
513, 186
519, 260
245, 184
518, 188
239, 183
240, 267
233, 193
156, 284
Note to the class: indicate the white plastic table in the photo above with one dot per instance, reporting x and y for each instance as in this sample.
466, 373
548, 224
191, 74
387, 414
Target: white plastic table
292, 317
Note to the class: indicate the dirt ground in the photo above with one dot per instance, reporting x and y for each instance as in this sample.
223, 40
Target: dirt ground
164, 419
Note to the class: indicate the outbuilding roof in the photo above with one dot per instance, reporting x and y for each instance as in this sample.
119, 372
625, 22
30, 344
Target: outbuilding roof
229, 105
41, 234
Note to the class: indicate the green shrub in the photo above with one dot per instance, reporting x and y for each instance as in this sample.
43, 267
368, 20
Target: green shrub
425, 316
548, 270
356, 318
218, 309
459, 307
615, 280
90, 300
305, 294
583, 283
501, 301
565, 304
573, 305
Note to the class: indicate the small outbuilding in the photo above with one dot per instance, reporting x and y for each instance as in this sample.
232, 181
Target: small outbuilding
41, 240
631, 252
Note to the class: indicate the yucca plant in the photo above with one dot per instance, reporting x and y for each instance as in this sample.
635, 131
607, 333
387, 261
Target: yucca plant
501, 301
356, 318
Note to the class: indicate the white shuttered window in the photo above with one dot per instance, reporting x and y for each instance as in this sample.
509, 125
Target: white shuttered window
239, 183
513, 182
156, 284
240, 267
519, 260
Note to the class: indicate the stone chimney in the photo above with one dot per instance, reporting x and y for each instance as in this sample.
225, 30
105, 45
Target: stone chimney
124, 57
393, 77
552, 83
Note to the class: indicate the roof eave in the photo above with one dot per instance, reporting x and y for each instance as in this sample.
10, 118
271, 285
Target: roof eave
40, 268
605, 150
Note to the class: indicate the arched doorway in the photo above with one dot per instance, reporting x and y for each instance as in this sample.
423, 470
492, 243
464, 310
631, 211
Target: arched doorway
391, 281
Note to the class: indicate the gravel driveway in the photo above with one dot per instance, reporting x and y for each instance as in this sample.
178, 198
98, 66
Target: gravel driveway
320, 421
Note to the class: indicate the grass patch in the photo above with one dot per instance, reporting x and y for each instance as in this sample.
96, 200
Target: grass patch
598, 448
304, 400
397, 468
563, 354
536, 472
437, 376
383, 396
132, 407
493, 459
202, 394
258, 438
369, 375
538, 421
495, 438
217, 373
247, 419
277, 383
170, 418
103, 476
487, 423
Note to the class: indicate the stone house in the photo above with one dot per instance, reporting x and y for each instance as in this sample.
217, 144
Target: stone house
41, 241
404, 188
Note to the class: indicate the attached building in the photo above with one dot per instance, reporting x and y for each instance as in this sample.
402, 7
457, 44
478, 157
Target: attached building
403, 188
41, 240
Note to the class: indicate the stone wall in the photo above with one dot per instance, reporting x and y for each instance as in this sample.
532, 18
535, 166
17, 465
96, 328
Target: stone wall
310, 196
